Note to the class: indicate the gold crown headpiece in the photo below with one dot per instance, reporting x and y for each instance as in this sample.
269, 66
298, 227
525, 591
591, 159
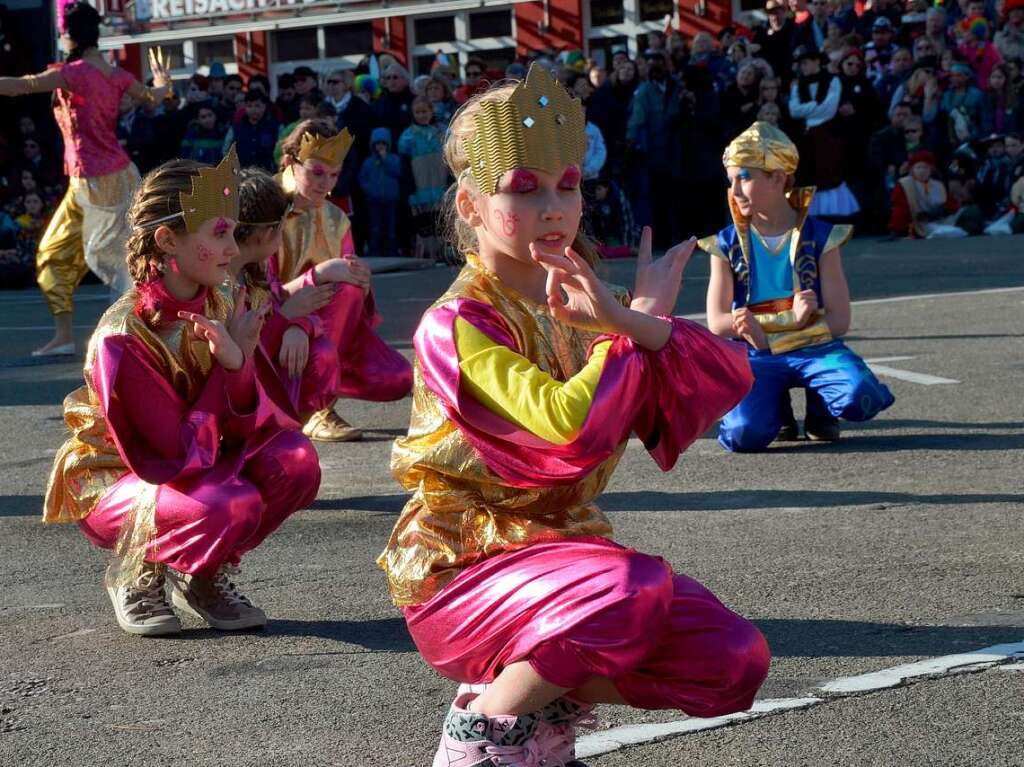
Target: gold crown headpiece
214, 194
538, 126
328, 150
764, 147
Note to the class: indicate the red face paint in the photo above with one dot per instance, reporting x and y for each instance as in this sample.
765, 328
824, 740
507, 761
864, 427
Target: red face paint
203, 253
571, 178
520, 181
220, 227
509, 222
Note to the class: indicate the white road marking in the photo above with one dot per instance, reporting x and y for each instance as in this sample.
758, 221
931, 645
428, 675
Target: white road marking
909, 375
896, 299
617, 738
947, 664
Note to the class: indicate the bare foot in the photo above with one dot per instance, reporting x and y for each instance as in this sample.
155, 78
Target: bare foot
57, 345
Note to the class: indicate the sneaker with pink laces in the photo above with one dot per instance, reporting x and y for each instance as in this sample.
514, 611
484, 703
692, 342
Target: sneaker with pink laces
560, 720
470, 739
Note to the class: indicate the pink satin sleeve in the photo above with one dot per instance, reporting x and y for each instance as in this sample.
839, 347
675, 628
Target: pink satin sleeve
348, 245
660, 395
160, 436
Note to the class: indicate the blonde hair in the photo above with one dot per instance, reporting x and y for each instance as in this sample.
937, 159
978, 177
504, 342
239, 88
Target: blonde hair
458, 232
156, 204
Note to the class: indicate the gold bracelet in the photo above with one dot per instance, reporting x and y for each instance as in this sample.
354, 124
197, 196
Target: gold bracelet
33, 82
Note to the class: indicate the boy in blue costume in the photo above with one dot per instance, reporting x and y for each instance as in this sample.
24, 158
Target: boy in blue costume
777, 282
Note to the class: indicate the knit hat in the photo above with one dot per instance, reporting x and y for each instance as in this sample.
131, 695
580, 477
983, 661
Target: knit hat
922, 155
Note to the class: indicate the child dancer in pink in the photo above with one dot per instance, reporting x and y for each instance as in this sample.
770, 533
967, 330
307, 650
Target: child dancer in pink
317, 248
184, 451
530, 376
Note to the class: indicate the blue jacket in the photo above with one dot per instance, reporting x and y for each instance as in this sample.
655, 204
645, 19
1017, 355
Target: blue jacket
379, 177
255, 143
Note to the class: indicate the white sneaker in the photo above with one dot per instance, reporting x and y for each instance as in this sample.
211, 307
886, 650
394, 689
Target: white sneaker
141, 607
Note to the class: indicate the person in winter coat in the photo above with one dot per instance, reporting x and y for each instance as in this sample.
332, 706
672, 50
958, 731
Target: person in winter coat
379, 178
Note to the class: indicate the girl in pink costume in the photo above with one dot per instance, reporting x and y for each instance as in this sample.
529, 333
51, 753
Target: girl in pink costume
351, 360
184, 451
530, 376
88, 230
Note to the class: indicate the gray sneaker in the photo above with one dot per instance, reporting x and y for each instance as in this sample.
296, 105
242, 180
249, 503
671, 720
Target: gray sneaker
216, 600
141, 607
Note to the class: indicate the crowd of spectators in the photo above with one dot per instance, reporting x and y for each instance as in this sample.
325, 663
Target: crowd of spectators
908, 118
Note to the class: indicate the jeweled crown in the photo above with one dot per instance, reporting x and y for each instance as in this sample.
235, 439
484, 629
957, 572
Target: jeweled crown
328, 150
214, 193
538, 126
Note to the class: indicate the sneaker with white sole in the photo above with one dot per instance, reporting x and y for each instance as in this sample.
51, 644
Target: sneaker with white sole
469, 739
141, 606
216, 600
560, 720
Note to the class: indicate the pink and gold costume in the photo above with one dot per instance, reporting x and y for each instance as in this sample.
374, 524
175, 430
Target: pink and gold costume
89, 228
346, 356
172, 458
501, 554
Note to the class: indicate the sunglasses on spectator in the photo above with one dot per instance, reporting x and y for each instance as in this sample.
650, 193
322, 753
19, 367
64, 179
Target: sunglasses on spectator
473, 73
391, 77
334, 82
911, 131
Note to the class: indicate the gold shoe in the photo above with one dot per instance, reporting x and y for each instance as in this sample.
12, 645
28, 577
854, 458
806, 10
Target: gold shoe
328, 426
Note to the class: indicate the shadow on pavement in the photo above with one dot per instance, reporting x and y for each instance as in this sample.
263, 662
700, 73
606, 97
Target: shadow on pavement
391, 504
742, 500
864, 442
379, 635
38, 391
21, 505
795, 638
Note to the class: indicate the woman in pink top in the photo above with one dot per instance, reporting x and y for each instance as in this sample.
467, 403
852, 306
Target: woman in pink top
89, 228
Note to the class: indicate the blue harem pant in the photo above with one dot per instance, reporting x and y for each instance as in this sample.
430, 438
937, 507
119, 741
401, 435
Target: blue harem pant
838, 384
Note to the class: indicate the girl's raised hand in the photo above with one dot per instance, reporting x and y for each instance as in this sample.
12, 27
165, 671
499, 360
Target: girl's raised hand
658, 282
245, 324
222, 345
575, 295
307, 300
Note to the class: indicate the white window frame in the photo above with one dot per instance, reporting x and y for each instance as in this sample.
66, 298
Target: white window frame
462, 47
631, 26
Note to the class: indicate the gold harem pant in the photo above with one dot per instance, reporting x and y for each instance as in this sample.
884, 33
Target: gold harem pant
89, 230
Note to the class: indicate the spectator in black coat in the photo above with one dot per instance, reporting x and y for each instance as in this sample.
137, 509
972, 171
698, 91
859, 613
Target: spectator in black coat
392, 110
775, 41
137, 134
287, 103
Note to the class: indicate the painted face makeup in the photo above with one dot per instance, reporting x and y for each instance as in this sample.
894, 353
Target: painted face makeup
521, 181
508, 221
571, 178
203, 253
220, 227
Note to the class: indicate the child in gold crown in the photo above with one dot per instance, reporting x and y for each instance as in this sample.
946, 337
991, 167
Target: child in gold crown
350, 360
531, 374
184, 451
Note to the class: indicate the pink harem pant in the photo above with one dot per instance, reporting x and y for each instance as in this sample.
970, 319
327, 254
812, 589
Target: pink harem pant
583, 607
215, 517
350, 360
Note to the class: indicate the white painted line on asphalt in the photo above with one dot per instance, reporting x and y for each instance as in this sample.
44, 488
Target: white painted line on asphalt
909, 375
888, 359
1012, 667
616, 738
895, 299
947, 664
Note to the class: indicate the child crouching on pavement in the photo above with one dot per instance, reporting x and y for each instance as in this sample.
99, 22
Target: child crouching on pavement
184, 453
777, 282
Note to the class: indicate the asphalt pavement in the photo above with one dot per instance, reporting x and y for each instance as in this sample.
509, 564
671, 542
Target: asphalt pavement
901, 543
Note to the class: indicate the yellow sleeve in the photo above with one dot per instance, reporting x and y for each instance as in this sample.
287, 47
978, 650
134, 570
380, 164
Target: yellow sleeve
509, 385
